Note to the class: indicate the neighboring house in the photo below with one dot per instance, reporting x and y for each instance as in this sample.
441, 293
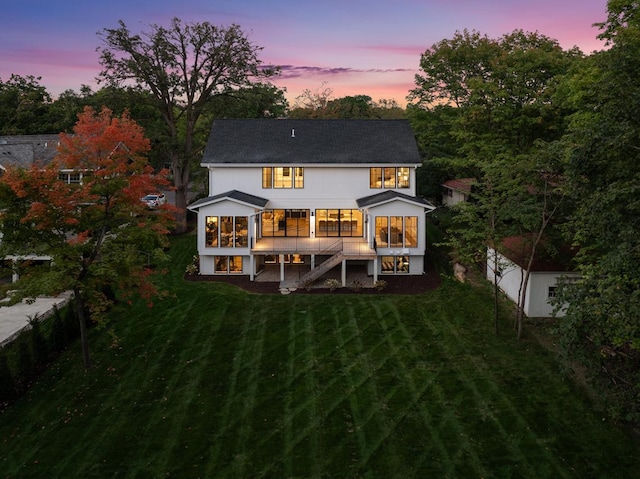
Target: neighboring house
319, 193
25, 151
456, 191
28, 150
545, 276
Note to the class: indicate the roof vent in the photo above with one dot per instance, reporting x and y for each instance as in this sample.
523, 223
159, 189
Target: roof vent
293, 132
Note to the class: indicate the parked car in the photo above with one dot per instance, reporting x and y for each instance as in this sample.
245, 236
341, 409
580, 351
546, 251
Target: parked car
154, 200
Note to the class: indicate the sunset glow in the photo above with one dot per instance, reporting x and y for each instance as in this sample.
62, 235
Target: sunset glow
358, 48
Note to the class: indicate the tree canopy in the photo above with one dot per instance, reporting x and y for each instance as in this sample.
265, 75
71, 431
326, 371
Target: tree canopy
97, 232
183, 66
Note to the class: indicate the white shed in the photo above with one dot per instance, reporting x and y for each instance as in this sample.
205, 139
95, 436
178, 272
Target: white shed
546, 274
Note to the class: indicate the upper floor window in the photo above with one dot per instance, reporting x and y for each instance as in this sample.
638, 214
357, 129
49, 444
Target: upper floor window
389, 177
282, 177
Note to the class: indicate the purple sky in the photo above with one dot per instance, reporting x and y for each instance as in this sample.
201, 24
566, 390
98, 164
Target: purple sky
369, 47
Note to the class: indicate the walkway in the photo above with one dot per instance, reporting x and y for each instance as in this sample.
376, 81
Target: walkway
13, 319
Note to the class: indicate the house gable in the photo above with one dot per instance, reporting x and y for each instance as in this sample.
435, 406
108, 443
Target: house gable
390, 196
234, 196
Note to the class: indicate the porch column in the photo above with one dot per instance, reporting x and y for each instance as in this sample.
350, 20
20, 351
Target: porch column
281, 267
14, 275
252, 267
375, 270
344, 273
313, 261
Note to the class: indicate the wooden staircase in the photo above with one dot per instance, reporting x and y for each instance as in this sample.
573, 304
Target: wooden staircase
318, 271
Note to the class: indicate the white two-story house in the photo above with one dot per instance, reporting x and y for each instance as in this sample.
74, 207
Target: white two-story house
322, 193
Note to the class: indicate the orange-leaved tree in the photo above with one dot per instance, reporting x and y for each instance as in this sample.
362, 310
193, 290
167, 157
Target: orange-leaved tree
99, 235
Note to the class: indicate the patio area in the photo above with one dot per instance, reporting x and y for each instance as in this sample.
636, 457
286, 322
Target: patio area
271, 274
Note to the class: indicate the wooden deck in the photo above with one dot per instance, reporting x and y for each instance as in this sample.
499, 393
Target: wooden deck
350, 247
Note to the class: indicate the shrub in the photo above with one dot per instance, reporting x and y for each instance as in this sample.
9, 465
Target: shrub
58, 336
7, 385
71, 325
39, 346
332, 284
380, 284
25, 366
193, 268
356, 285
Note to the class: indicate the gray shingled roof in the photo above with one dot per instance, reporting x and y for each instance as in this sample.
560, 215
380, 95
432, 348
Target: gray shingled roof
287, 141
390, 195
233, 195
27, 150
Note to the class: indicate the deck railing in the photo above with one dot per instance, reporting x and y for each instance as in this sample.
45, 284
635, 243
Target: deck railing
316, 246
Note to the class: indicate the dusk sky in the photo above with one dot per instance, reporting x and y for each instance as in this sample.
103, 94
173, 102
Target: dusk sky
368, 47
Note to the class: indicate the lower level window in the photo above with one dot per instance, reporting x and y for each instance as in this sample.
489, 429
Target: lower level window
394, 264
228, 264
286, 259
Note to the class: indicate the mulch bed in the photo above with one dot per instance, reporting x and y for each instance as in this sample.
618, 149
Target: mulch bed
398, 284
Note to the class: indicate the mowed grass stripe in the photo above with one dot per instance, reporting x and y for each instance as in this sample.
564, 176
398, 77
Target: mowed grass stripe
248, 399
474, 393
175, 391
91, 435
373, 422
512, 427
301, 398
356, 375
185, 397
171, 397
423, 397
219, 454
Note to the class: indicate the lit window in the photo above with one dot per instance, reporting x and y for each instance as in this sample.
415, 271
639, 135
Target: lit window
389, 177
394, 264
375, 177
382, 231
397, 231
299, 178
226, 231
211, 231
283, 177
267, 177
228, 264
402, 177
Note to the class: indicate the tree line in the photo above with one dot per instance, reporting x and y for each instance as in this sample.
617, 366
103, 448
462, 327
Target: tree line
550, 138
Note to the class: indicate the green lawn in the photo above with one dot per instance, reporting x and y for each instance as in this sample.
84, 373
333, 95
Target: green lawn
213, 382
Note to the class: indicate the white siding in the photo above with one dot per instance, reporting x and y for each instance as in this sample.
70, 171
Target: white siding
324, 187
537, 304
455, 198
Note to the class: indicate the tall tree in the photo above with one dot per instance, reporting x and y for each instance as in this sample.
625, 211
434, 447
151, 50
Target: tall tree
24, 106
494, 101
183, 66
93, 231
602, 321
261, 100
